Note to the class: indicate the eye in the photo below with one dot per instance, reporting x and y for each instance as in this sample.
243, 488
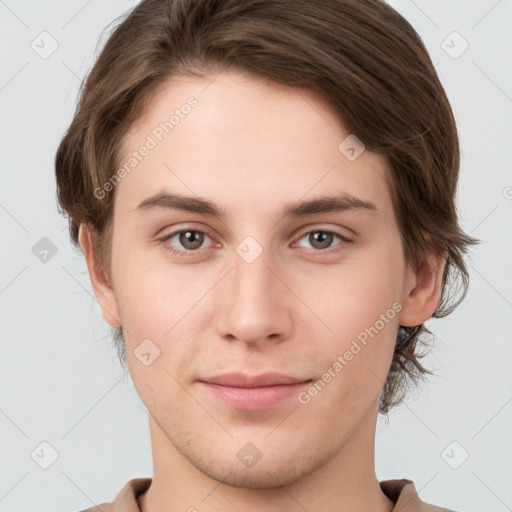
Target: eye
322, 239
190, 239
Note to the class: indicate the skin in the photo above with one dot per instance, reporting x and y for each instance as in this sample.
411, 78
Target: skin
252, 146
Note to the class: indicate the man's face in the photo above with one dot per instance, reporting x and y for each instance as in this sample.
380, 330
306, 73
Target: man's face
257, 290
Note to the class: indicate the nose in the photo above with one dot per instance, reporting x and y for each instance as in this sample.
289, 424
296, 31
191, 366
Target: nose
255, 303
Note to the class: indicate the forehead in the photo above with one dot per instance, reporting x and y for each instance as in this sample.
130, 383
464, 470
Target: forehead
241, 138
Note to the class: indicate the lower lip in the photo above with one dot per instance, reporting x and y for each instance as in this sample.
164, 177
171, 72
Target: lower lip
254, 399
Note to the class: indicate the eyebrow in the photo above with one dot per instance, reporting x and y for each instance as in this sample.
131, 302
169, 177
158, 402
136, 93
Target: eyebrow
327, 204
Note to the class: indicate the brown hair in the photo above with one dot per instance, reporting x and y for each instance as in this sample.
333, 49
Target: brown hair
362, 56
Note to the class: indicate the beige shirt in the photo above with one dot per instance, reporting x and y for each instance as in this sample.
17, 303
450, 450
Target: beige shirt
401, 492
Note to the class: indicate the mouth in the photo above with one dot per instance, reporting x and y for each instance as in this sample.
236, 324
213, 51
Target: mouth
256, 392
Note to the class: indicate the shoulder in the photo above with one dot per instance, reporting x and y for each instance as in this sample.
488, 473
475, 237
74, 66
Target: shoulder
126, 499
403, 493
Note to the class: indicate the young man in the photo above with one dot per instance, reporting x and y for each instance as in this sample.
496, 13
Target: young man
264, 194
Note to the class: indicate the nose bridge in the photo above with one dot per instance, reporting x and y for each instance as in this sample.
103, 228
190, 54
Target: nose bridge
256, 304
252, 279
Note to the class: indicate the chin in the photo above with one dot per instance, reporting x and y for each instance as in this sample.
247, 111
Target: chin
258, 479
277, 470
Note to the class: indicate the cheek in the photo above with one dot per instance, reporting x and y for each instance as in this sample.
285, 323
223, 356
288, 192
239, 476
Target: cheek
161, 303
356, 330
353, 297
159, 334
153, 294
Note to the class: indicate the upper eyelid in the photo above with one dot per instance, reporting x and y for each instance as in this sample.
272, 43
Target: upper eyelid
298, 237
325, 230
307, 231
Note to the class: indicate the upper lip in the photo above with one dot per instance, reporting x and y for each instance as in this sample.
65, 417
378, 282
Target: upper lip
242, 380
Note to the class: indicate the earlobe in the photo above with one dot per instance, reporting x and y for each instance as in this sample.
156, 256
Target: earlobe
99, 280
422, 294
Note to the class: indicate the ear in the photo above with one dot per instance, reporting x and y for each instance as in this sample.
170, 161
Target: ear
100, 282
423, 289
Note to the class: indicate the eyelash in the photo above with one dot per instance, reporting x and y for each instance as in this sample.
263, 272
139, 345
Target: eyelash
180, 252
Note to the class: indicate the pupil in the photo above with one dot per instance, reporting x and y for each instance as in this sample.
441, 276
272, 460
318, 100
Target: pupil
322, 237
190, 238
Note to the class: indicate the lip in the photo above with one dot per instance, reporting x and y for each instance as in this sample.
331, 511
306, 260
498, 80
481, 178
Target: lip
253, 392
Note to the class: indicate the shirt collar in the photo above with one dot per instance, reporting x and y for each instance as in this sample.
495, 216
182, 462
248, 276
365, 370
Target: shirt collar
402, 492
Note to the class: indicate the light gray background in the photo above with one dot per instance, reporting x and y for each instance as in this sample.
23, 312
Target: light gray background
61, 384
